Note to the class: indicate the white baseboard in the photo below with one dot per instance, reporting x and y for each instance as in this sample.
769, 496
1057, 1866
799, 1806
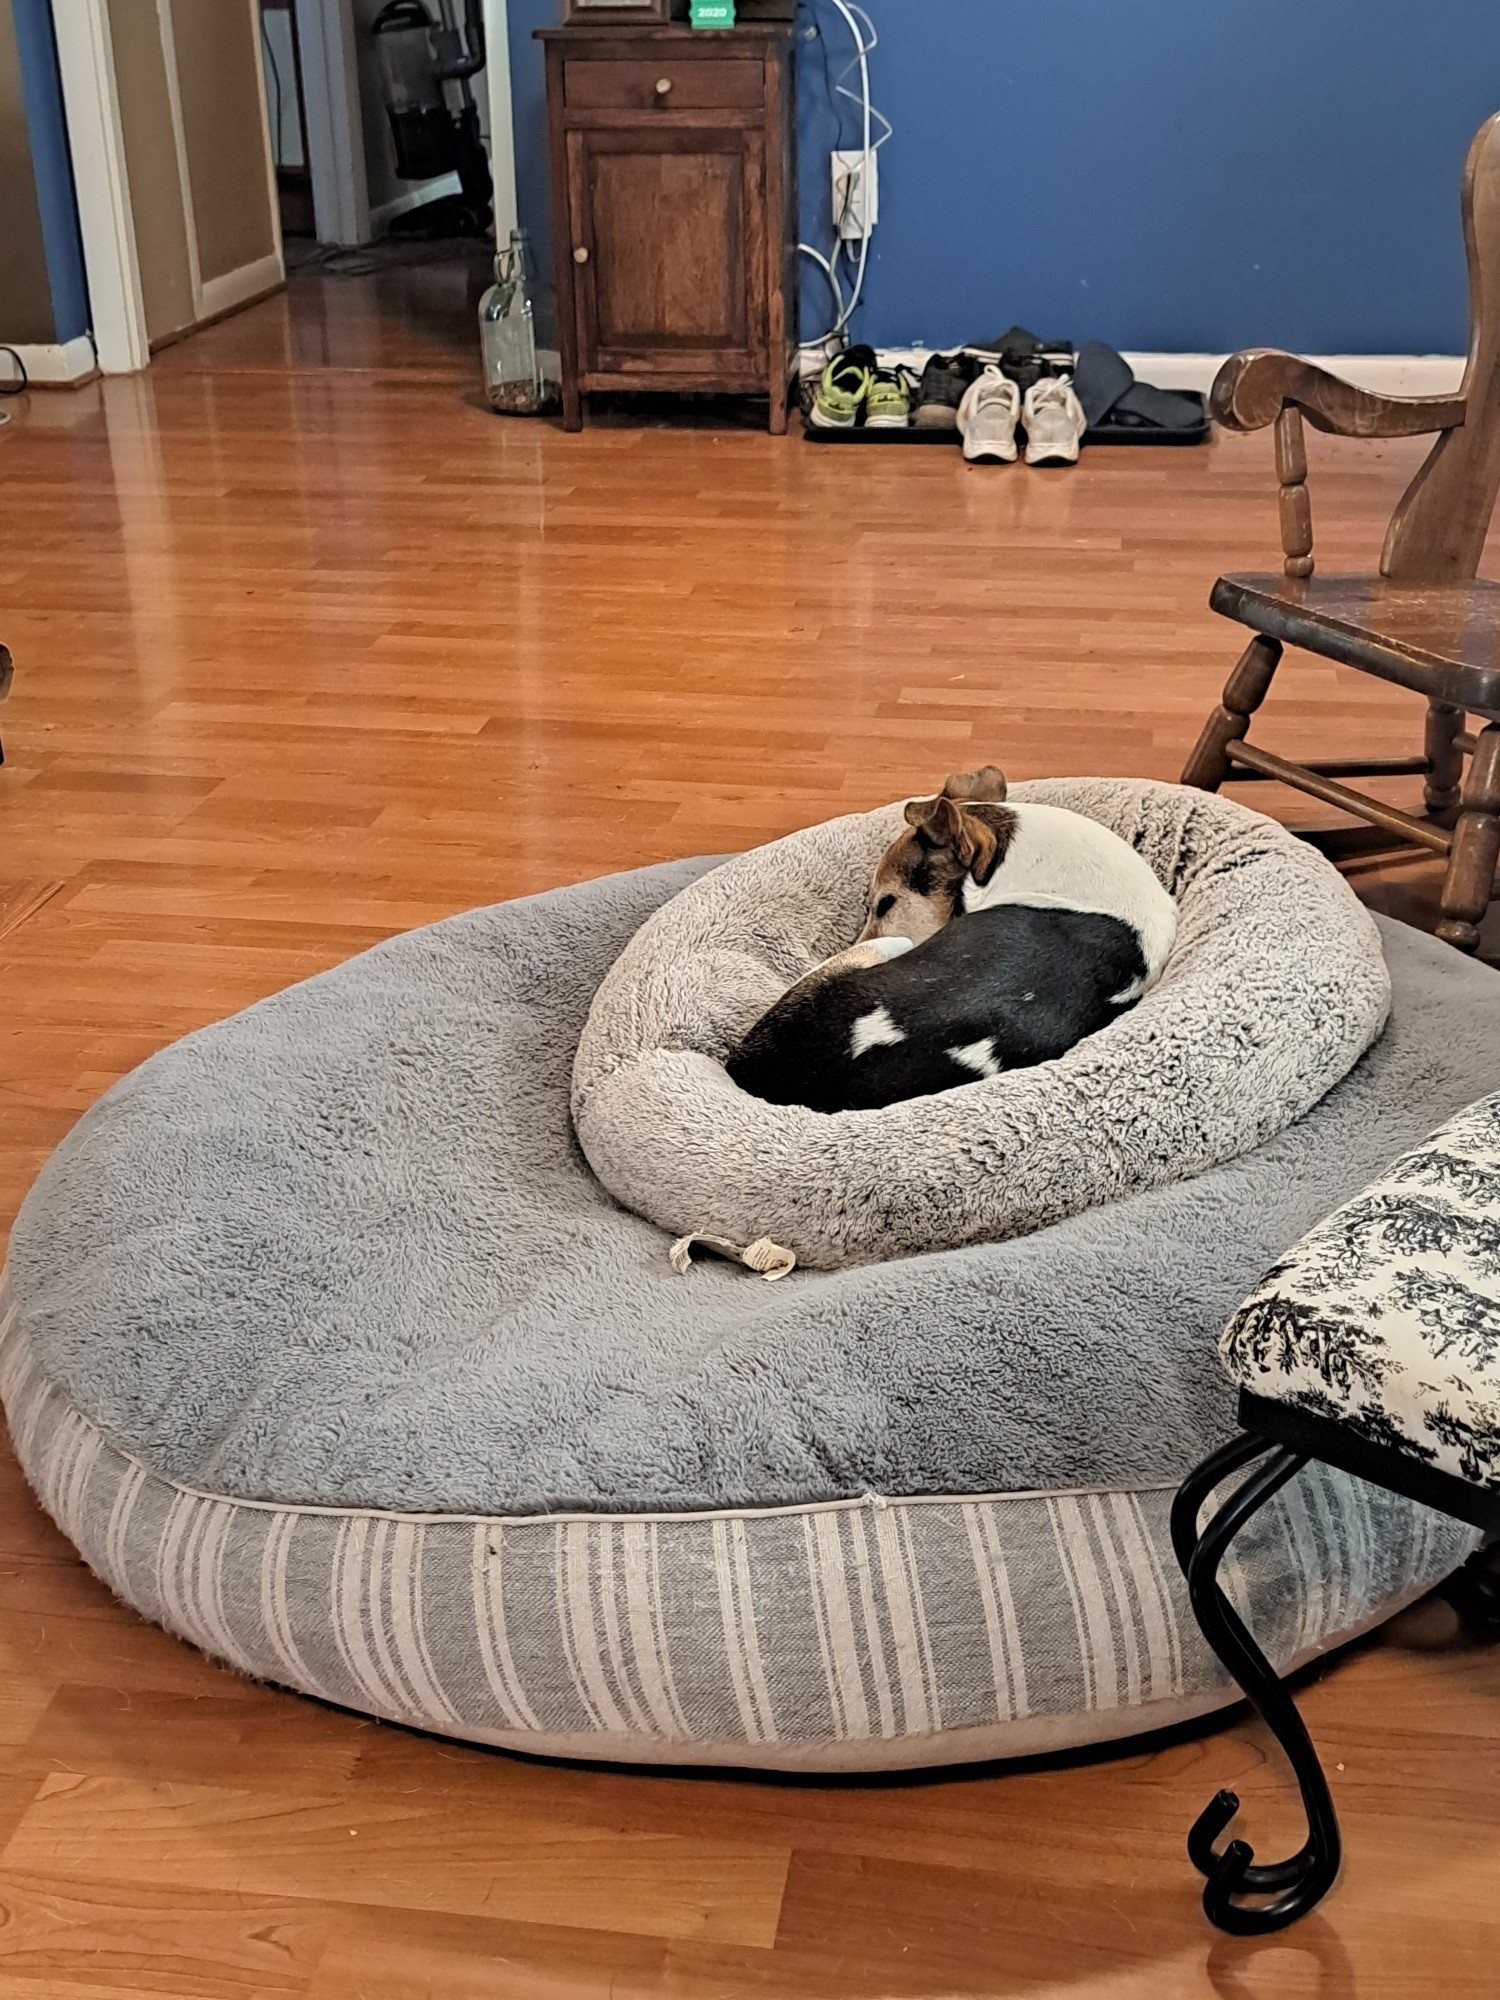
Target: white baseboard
72, 361
382, 217
1387, 374
223, 294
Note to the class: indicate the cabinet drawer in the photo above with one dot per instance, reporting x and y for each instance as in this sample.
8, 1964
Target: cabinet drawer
732, 83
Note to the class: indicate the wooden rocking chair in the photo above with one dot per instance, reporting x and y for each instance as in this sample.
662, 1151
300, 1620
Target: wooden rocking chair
1424, 622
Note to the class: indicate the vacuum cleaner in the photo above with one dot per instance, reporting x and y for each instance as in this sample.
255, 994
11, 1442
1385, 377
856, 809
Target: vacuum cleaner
426, 61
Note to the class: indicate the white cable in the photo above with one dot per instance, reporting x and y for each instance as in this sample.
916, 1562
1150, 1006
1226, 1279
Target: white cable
830, 271
862, 58
865, 40
864, 50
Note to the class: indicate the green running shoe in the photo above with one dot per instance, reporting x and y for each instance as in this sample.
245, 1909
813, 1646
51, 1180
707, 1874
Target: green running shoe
842, 391
888, 402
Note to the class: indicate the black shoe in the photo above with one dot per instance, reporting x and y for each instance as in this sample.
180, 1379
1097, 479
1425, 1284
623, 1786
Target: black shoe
1019, 354
941, 390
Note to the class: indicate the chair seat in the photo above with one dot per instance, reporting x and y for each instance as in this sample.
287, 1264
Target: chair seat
1441, 640
1386, 1317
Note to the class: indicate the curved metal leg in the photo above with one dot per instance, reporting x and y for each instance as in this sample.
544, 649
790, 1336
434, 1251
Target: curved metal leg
1192, 1495
1291, 1887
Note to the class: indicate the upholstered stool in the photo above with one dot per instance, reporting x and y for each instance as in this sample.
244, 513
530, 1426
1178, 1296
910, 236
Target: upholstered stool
1374, 1347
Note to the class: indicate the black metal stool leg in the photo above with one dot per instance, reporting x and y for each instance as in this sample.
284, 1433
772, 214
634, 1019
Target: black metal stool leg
1291, 1887
1192, 1495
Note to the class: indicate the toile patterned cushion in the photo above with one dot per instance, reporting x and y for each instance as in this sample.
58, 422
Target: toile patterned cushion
1386, 1317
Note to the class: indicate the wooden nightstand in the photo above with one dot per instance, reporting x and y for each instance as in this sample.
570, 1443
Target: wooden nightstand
673, 194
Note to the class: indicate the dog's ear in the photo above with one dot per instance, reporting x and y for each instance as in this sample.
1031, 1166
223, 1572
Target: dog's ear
945, 827
936, 822
986, 785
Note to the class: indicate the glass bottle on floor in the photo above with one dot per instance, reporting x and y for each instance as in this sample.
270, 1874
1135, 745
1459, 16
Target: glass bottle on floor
513, 377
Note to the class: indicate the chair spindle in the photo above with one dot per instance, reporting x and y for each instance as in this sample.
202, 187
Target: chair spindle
1296, 507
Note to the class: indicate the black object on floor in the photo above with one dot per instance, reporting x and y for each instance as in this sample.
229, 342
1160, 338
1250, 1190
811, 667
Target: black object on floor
5, 673
940, 391
1019, 354
1105, 384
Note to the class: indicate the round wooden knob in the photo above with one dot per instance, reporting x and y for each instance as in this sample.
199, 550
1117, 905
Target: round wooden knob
663, 85
581, 255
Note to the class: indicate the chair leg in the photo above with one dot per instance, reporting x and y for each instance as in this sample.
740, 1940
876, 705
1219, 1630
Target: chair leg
1292, 1887
1470, 881
1445, 761
1244, 692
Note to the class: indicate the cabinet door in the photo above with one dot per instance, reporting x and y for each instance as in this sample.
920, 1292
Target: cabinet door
673, 279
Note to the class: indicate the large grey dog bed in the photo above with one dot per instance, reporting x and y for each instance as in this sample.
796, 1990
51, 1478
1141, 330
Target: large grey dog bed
329, 1353
1275, 985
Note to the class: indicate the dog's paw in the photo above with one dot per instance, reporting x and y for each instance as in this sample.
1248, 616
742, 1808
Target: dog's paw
890, 947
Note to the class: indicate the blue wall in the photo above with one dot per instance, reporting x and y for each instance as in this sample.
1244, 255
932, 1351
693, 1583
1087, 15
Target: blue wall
51, 166
1163, 175
528, 91
1157, 174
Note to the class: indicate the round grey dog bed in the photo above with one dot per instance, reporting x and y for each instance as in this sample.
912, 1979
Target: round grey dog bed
329, 1353
1275, 985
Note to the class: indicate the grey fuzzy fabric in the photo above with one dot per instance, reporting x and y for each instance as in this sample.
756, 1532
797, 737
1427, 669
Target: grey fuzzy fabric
343, 1249
1275, 986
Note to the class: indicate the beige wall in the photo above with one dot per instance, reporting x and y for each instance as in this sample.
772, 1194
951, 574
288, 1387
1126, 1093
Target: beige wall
197, 153
224, 131
26, 316
161, 239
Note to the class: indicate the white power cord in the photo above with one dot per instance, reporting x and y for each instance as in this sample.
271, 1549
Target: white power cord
862, 31
831, 272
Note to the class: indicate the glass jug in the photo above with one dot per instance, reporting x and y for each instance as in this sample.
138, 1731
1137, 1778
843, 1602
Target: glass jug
513, 376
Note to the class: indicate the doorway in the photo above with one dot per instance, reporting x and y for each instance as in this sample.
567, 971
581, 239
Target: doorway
214, 147
281, 57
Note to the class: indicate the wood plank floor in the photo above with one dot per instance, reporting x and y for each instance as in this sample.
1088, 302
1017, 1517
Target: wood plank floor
310, 648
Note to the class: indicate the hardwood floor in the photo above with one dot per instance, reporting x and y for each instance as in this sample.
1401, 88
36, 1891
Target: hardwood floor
310, 647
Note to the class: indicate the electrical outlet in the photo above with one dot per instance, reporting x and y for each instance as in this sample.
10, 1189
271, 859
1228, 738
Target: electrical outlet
856, 193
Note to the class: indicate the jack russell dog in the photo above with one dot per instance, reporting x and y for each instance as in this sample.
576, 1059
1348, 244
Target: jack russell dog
1064, 928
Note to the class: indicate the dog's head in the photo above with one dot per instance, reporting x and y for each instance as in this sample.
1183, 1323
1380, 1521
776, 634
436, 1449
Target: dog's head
918, 882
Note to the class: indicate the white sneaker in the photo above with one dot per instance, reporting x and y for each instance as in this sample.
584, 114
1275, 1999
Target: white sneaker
1054, 422
987, 418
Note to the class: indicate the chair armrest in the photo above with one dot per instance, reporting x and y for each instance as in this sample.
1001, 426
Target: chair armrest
1254, 387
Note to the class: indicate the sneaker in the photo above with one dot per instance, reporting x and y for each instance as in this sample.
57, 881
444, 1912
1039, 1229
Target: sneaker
987, 417
842, 391
1054, 422
940, 391
888, 403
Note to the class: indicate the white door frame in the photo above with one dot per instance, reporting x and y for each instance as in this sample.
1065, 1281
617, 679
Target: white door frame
335, 144
502, 116
86, 62
330, 109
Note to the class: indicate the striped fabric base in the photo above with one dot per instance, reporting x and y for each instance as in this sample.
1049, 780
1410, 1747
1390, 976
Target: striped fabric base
855, 1636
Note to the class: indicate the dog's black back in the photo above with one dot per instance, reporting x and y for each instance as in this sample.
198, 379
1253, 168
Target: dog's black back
998, 989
